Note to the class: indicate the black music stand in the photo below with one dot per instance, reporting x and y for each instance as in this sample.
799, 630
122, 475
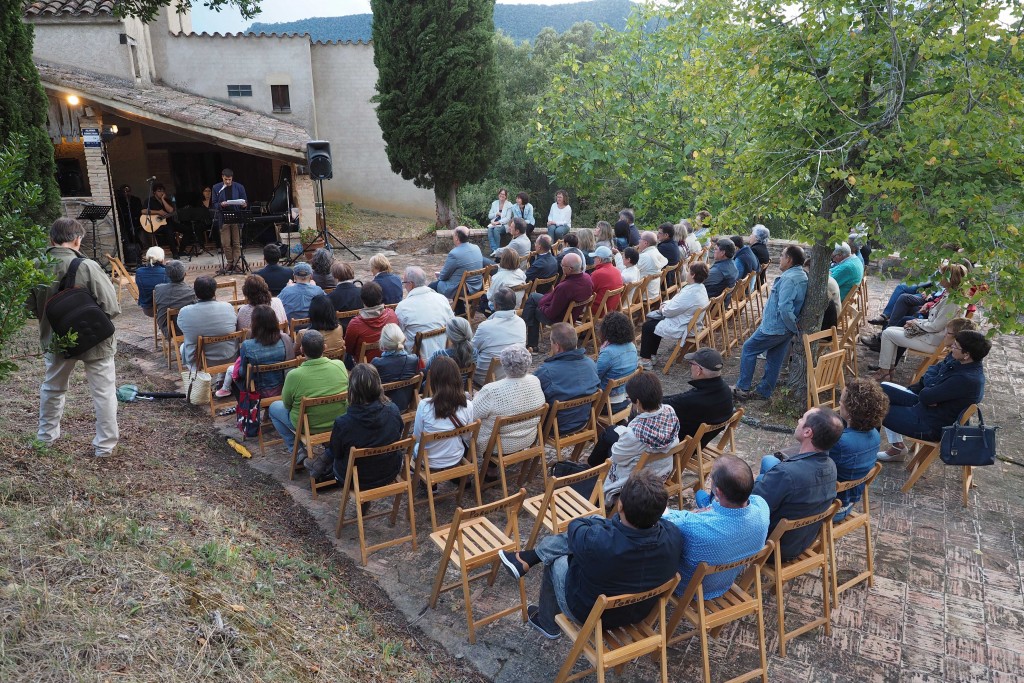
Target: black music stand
196, 216
240, 217
93, 212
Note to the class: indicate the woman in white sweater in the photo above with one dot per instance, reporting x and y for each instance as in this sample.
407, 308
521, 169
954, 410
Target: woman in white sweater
672, 319
518, 393
509, 274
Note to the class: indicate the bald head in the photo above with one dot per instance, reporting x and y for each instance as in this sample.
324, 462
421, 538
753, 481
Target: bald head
572, 263
734, 480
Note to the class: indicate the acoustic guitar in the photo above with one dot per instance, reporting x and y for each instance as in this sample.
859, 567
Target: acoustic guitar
152, 223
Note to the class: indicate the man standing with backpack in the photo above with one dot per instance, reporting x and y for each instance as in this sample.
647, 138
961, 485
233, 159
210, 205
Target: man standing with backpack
95, 344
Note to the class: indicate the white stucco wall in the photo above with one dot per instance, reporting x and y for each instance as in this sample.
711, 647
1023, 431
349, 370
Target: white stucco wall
345, 80
93, 45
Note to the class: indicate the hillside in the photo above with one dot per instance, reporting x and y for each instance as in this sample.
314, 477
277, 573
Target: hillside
521, 22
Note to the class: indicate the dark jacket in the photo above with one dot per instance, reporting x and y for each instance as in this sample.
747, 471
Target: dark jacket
146, 278
760, 250
746, 262
366, 426
543, 266
634, 235
949, 392
670, 250
721, 277
607, 557
710, 400
573, 288
568, 375
276, 277
324, 280
391, 285
799, 486
394, 367
346, 297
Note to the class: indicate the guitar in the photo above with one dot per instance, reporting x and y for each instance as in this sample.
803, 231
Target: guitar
151, 223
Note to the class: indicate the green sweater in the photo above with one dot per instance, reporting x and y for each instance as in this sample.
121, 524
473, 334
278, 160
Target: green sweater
316, 377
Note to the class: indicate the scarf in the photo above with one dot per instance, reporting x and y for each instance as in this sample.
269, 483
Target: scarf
657, 431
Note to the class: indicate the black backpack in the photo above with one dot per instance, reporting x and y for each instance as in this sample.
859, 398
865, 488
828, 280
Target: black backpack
74, 309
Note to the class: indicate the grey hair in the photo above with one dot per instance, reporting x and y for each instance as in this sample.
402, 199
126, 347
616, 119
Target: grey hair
576, 264
415, 276
649, 237
516, 361
504, 299
66, 230
842, 248
459, 330
175, 270
682, 229
392, 338
321, 261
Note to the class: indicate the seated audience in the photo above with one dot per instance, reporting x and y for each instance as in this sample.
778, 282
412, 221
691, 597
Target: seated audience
257, 293
566, 374
503, 329
847, 269
317, 376
389, 283
365, 328
176, 293
460, 344
604, 235
323, 319
745, 258
622, 236
710, 398
518, 392
587, 243
321, 264
687, 240
634, 234
276, 276
520, 242
296, 296
571, 245
758, 241
668, 246
346, 295
651, 262
422, 310
464, 256
509, 274
544, 264
617, 357
446, 408
371, 420
207, 318
654, 429
672, 320
267, 344
149, 276
631, 552
921, 410
723, 274
575, 287
605, 278
733, 526
395, 364
863, 406
803, 484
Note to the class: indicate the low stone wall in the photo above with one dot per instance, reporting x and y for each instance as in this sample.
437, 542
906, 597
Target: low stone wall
443, 242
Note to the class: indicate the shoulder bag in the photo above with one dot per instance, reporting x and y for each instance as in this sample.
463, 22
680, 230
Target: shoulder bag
74, 309
966, 445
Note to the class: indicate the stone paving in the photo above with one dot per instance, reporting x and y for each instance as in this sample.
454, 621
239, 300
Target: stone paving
947, 602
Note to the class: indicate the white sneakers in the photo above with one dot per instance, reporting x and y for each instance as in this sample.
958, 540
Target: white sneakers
893, 454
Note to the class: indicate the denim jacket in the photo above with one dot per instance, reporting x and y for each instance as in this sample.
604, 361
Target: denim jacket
785, 303
614, 362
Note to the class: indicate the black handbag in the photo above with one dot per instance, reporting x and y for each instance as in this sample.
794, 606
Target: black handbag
74, 309
965, 445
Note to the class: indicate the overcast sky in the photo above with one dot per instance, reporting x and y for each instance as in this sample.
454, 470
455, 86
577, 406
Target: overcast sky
230, 21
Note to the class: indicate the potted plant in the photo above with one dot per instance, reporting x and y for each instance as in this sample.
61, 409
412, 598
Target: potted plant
311, 241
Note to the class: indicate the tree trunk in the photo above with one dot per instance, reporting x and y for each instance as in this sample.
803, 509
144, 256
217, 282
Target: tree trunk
446, 201
810, 318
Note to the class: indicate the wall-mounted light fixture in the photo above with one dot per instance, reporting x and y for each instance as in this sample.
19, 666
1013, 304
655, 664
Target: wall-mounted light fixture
73, 100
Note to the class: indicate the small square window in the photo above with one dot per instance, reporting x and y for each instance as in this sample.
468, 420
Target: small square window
279, 96
239, 91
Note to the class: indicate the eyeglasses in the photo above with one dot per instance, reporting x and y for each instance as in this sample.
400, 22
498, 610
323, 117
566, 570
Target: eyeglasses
955, 347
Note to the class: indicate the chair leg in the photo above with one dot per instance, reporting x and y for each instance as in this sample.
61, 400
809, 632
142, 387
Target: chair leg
968, 481
469, 605
780, 606
921, 468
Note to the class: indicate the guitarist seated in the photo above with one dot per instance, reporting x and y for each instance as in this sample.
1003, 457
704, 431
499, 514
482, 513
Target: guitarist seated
158, 219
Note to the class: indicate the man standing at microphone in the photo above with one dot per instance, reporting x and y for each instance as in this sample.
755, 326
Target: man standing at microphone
223, 192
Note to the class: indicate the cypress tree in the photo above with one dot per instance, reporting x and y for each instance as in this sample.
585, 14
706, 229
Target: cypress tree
437, 92
23, 106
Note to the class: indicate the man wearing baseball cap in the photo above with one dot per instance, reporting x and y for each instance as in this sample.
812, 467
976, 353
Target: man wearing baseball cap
296, 296
605, 277
710, 399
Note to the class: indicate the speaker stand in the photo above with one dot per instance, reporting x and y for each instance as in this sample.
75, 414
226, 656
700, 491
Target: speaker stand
322, 231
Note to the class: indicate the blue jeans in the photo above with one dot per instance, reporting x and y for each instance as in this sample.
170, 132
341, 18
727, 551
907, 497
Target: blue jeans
903, 418
557, 232
554, 553
282, 419
494, 233
775, 347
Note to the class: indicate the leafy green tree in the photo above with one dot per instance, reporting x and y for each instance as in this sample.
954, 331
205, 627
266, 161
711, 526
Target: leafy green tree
23, 107
147, 10
437, 94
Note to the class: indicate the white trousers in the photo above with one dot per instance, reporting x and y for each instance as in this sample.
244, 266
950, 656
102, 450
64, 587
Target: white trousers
102, 387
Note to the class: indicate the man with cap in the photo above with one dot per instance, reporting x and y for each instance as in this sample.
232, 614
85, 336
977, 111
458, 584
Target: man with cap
149, 276
723, 273
296, 297
605, 277
710, 398
223, 192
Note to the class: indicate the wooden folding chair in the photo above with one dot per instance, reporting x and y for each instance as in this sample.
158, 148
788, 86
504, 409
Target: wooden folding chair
586, 331
364, 348
401, 486
226, 285
739, 310
157, 340
561, 502
304, 436
345, 317
201, 344
532, 455
697, 334
417, 346
252, 373
174, 339
579, 438
121, 278
608, 416
464, 297
671, 280
710, 615
815, 557
613, 648
522, 292
854, 520
411, 385
679, 456
295, 325
651, 303
931, 359
714, 319
824, 371
492, 370
238, 303
542, 285
467, 467
925, 453
632, 303
703, 456
602, 307
473, 541
848, 342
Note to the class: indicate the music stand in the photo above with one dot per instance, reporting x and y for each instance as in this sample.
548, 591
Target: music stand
240, 217
196, 216
93, 212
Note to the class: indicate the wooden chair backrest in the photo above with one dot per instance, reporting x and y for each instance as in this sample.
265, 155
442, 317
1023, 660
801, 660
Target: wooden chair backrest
866, 479
503, 421
364, 347
492, 370
347, 315
579, 310
705, 570
786, 525
558, 406
296, 324
417, 346
203, 341
252, 371
228, 284
827, 340
602, 307
307, 402
413, 383
606, 399
541, 285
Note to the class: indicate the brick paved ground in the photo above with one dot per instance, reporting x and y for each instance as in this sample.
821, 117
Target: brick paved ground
947, 601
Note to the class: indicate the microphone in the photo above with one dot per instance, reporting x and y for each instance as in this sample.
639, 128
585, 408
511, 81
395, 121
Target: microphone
149, 180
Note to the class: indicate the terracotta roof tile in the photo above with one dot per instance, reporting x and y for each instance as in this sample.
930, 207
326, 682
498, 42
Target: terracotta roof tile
75, 8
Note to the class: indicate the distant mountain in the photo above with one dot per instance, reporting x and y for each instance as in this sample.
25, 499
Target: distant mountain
520, 22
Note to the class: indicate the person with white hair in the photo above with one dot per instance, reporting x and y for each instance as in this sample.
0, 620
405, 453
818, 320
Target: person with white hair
847, 270
575, 287
395, 363
501, 330
518, 392
651, 262
149, 276
422, 310
687, 240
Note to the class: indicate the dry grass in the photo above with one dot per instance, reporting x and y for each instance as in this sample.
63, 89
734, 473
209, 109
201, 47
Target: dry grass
362, 225
169, 562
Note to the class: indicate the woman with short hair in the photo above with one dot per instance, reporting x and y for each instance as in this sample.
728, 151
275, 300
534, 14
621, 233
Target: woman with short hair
149, 276
257, 293
446, 408
863, 406
395, 364
346, 294
522, 208
390, 284
618, 357
509, 274
321, 264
